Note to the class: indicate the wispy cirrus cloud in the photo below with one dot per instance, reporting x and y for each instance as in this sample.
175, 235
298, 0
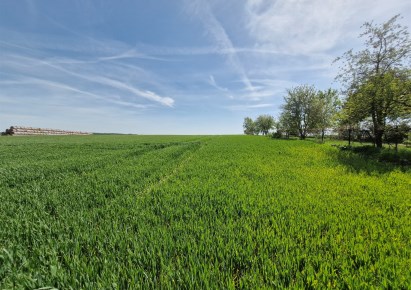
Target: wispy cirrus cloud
248, 107
130, 53
202, 50
85, 76
202, 10
46, 85
225, 91
167, 101
316, 26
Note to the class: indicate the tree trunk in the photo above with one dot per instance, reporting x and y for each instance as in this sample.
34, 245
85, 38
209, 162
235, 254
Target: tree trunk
397, 138
322, 135
378, 138
378, 130
302, 136
378, 121
349, 136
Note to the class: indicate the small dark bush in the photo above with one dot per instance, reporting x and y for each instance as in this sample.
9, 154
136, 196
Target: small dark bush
276, 135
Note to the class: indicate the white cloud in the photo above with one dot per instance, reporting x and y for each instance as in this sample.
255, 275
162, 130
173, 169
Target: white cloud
131, 53
166, 101
315, 26
214, 84
56, 89
49, 71
203, 11
248, 107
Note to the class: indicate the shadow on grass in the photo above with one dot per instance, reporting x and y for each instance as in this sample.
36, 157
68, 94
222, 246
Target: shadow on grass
373, 160
287, 139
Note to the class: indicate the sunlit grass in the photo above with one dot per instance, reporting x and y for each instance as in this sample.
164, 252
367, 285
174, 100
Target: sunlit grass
219, 212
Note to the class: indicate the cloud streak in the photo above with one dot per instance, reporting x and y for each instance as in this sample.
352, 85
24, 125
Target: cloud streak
203, 11
71, 68
45, 85
131, 53
248, 107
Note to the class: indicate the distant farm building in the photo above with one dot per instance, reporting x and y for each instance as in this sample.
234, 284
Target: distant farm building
29, 131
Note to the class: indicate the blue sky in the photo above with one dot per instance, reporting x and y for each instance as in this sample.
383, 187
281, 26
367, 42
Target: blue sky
170, 66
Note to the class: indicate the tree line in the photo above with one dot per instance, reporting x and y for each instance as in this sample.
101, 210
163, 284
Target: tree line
375, 101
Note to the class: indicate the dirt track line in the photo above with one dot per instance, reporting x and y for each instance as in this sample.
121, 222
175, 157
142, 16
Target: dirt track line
173, 172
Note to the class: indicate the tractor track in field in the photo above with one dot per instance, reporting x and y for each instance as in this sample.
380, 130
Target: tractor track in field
173, 172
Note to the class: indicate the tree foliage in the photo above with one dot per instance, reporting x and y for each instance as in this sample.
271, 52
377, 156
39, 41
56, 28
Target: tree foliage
249, 126
376, 80
325, 107
298, 110
264, 123
396, 133
284, 125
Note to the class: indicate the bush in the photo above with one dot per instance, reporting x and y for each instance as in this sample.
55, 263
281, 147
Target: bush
276, 135
396, 134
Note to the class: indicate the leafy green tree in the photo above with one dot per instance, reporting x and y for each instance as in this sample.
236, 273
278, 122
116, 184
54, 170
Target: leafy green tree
376, 79
396, 133
249, 126
284, 125
264, 123
383, 99
326, 105
299, 109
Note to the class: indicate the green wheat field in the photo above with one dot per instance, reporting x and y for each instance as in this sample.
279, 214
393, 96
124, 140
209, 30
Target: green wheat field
199, 212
